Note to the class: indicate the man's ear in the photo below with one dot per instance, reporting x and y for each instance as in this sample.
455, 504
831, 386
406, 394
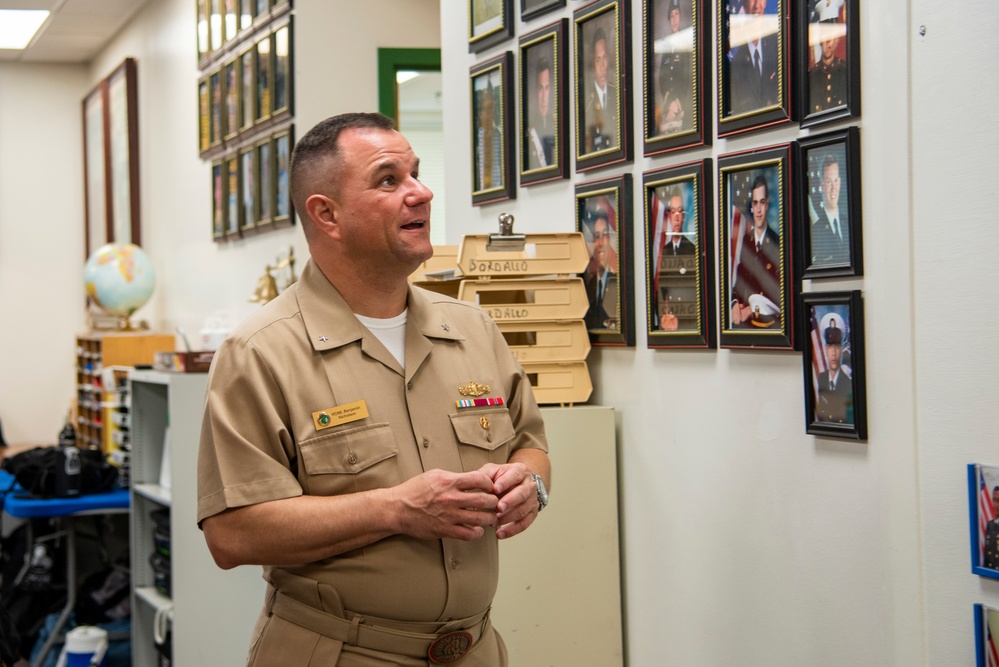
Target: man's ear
323, 212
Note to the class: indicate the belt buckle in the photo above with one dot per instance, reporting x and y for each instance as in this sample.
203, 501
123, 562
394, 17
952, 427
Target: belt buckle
450, 647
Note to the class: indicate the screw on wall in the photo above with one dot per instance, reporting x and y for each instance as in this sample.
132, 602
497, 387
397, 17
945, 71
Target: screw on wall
922, 31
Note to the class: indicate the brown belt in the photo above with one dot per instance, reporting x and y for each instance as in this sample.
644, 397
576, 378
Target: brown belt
440, 647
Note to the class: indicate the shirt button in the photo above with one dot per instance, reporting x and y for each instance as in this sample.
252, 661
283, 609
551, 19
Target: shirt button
426, 443
409, 385
352, 458
454, 563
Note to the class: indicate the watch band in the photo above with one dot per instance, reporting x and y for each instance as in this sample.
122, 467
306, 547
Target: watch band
542, 492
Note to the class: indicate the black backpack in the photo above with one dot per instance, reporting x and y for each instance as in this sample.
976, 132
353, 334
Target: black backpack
35, 471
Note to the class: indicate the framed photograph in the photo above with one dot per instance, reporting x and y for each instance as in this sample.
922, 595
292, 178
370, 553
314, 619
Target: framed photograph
204, 45
230, 19
831, 235
248, 189
492, 130
230, 92
246, 14
753, 64
756, 284
604, 134
283, 210
97, 225
123, 142
544, 125
835, 387
983, 514
604, 216
248, 86
265, 182
532, 9
678, 256
233, 220
674, 86
216, 32
204, 115
264, 78
218, 200
829, 62
490, 22
283, 70
986, 653
215, 126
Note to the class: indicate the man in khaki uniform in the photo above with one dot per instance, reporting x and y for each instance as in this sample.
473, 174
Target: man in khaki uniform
366, 441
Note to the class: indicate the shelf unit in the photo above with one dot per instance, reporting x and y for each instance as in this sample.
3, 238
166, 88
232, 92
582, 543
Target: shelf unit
213, 611
96, 351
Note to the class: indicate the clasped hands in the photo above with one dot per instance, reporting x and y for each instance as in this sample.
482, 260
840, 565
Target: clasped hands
441, 504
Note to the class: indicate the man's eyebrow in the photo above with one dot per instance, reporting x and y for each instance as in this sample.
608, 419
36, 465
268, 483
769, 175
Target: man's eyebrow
391, 165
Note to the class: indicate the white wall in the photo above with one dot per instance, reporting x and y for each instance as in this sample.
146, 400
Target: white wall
955, 236
41, 245
746, 541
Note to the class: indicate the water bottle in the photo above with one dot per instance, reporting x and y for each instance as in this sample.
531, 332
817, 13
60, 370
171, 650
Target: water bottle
68, 467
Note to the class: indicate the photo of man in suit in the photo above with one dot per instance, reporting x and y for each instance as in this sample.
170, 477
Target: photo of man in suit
675, 293
754, 81
539, 140
830, 231
600, 110
835, 386
600, 278
756, 287
488, 139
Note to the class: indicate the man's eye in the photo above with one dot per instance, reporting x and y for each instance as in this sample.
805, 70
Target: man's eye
388, 180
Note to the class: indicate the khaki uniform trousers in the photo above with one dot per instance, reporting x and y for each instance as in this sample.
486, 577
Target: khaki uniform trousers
303, 624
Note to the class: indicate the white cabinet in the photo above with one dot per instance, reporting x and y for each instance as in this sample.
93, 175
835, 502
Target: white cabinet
559, 597
213, 611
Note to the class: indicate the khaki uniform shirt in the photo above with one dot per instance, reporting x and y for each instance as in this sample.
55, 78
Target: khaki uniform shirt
305, 353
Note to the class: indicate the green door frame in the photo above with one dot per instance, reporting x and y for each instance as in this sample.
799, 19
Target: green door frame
391, 61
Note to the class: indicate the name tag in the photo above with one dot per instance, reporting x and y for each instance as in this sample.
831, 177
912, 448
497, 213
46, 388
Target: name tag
341, 414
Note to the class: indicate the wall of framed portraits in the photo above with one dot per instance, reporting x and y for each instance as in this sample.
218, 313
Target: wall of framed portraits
776, 502
246, 116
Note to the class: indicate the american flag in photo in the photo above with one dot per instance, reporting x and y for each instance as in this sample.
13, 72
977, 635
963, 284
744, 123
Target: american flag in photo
739, 184
985, 514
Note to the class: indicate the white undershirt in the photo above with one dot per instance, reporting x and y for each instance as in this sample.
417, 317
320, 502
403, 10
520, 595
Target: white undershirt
391, 332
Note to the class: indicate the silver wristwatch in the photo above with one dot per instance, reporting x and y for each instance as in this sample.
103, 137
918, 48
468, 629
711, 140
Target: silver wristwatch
542, 492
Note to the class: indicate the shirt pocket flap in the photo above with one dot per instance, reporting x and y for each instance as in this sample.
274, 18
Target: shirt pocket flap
350, 451
486, 429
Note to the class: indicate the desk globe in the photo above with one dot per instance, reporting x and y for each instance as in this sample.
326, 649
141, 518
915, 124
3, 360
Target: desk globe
120, 279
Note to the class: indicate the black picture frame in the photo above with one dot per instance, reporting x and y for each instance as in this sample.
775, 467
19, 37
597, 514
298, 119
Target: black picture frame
830, 210
602, 39
679, 274
248, 88
834, 320
986, 653
491, 89
122, 124
604, 216
532, 9
97, 229
216, 126
756, 286
983, 519
490, 22
828, 44
674, 88
749, 97
264, 96
544, 123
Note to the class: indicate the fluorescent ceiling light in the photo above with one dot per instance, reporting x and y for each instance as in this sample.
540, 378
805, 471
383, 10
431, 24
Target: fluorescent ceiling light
404, 75
18, 26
